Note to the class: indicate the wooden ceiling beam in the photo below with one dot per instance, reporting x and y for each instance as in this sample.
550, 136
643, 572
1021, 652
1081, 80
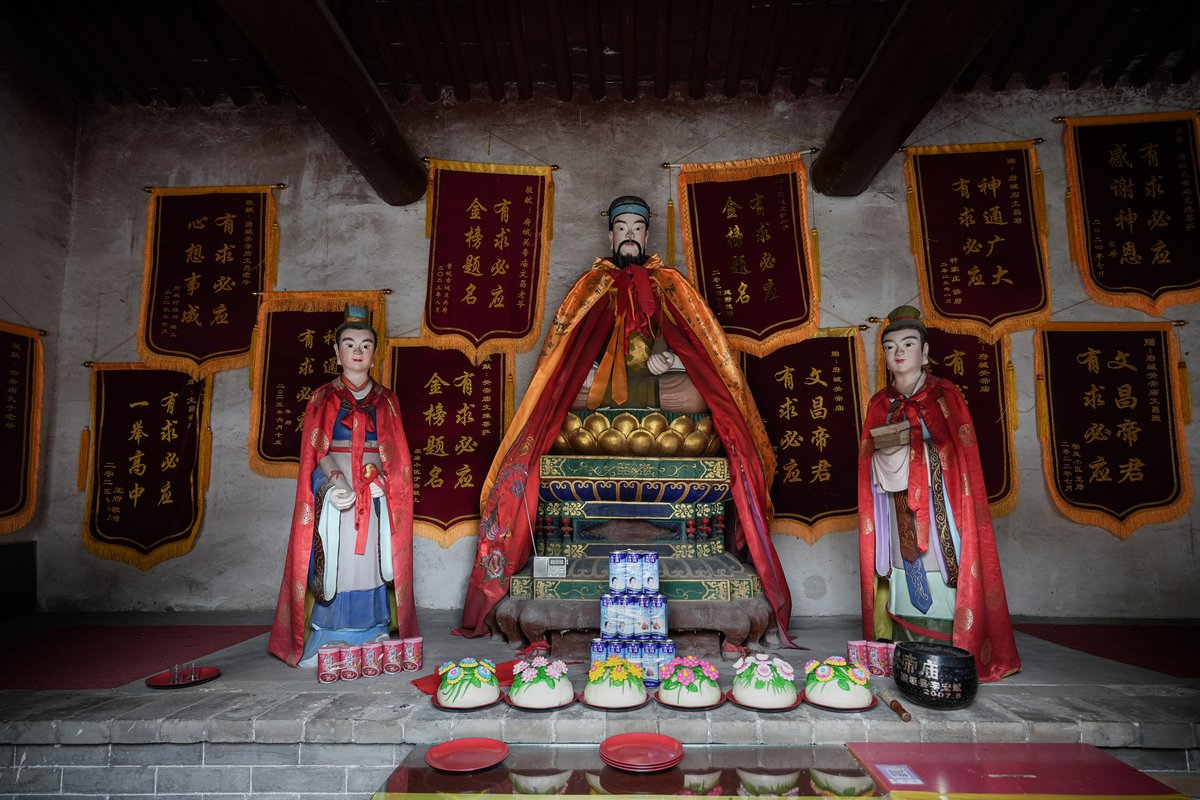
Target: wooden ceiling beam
629, 49
1140, 75
487, 44
662, 50
1152, 19
200, 27
1065, 22
302, 42
770, 62
454, 57
928, 45
44, 41
520, 59
416, 51
737, 48
558, 50
701, 28
381, 38
852, 17
595, 48
811, 27
1087, 60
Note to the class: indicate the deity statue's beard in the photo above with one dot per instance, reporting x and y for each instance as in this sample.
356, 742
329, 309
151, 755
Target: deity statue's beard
625, 259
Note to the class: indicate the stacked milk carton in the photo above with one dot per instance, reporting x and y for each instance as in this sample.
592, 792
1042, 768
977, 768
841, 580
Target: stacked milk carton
633, 615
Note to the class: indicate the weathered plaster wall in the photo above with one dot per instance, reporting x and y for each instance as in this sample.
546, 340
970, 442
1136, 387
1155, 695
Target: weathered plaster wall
37, 155
335, 233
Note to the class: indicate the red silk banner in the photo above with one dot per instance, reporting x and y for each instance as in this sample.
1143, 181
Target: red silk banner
21, 363
149, 463
747, 244
209, 252
1111, 425
490, 229
1132, 208
983, 372
293, 355
455, 414
812, 395
977, 221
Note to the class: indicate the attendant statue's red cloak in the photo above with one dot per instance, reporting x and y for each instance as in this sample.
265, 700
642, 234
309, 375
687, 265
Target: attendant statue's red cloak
288, 631
604, 299
981, 620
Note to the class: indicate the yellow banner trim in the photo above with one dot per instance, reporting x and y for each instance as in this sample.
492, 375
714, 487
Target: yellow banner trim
299, 301
1122, 529
271, 237
126, 555
22, 516
728, 171
988, 333
1076, 227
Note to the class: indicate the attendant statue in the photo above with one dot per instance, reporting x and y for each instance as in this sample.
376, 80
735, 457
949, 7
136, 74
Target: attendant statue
631, 333
348, 574
929, 568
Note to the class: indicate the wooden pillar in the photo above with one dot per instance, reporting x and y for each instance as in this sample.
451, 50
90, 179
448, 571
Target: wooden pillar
301, 41
929, 44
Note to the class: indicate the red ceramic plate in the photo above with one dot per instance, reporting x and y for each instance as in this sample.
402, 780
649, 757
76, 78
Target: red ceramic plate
799, 699
466, 755
662, 702
650, 768
162, 680
441, 707
586, 704
815, 704
634, 751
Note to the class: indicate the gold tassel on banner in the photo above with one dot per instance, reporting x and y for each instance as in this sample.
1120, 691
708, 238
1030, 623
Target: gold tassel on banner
1010, 395
1185, 392
671, 233
85, 444
816, 262
1039, 396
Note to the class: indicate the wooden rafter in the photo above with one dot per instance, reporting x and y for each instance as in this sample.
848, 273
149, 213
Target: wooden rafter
452, 51
737, 48
662, 50
701, 29
558, 50
487, 47
520, 59
770, 62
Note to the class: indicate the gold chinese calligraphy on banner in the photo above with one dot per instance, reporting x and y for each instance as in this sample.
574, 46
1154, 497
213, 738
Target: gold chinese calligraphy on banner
149, 462
983, 372
746, 239
293, 355
209, 252
21, 364
1111, 425
812, 396
455, 414
1132, 207
977, 221
489, 227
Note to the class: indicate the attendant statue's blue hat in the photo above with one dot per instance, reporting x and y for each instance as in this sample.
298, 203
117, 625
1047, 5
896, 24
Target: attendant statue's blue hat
357, 314
628, 204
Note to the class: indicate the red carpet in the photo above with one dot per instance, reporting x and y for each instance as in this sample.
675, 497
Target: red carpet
1170, 649
105, 656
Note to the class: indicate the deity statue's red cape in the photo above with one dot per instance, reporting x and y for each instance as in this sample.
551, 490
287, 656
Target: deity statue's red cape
604, 299
288, 631
981, 620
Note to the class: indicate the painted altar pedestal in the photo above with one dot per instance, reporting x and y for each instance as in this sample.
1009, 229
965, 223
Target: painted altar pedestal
641, 479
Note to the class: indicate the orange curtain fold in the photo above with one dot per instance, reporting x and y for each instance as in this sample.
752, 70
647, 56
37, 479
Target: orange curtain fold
293, 355
209, 252
748, 246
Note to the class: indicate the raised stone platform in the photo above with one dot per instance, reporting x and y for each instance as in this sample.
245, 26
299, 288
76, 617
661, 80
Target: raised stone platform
263, 728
